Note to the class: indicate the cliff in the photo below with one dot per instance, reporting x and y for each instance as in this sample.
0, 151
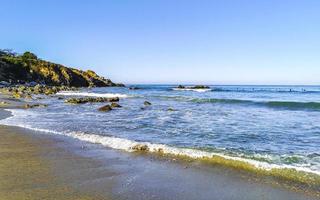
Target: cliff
28, 68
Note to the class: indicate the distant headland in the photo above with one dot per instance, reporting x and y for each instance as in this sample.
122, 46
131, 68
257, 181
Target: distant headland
27, 68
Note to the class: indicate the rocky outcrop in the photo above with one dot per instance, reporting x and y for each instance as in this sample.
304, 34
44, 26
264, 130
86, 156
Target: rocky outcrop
28, 68
22, 91
91, 100
193, 87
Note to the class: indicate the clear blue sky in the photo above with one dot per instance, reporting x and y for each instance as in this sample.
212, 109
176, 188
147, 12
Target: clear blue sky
172, 41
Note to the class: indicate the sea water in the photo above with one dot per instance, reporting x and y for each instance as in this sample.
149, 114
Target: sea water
268, 126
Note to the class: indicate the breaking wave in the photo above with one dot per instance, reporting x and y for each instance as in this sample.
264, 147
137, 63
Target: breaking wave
88, 94
190, 89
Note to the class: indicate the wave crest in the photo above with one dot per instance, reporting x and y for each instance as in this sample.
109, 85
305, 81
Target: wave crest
190, 89
88, 94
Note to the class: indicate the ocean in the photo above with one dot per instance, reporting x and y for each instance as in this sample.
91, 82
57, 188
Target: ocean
269, 127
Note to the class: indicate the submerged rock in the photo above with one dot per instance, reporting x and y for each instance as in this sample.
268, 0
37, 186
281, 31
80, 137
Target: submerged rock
91, 100
115, 105
27, 106
134, 88
105, 108
171, 109
147, 103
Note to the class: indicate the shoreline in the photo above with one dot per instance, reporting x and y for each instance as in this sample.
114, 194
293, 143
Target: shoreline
153, 176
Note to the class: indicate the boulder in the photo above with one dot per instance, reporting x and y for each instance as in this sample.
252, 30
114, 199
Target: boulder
147, 103
115, 105
105, 108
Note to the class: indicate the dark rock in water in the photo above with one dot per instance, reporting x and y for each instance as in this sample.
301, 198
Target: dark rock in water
27, 106
200, 87
134, 88
115, 105
105, 108
91, 100
147, 103
171, 109
193, 87
140, 147
29, 70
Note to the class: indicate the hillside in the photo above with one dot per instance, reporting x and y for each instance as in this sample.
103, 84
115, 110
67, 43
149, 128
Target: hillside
28, 68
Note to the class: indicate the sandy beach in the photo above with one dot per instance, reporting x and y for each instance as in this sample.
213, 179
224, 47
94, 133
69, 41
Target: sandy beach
42, 166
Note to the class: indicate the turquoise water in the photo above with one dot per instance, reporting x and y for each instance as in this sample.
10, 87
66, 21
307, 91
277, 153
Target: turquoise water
275, 125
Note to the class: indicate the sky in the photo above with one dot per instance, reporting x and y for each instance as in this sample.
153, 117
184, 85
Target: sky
172, 41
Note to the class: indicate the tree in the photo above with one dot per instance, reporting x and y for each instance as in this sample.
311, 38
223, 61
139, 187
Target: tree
28, 55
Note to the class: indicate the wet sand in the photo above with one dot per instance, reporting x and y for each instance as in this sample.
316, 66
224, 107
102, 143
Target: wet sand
40, 166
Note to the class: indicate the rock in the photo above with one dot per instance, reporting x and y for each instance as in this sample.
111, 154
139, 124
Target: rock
60, 98
171, 109
105, 108
140, 147
27, 106
115, 105
22, 88
49, 91
134, 88
147, 103
4, 103
17, 95
200, 87
160, 150
28, 96
193, 87
91, 100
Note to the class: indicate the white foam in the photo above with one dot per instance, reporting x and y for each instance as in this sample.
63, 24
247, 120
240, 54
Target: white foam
190, 89
88, 94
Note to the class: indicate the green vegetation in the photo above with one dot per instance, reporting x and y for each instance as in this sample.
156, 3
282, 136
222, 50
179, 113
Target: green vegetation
28, 68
